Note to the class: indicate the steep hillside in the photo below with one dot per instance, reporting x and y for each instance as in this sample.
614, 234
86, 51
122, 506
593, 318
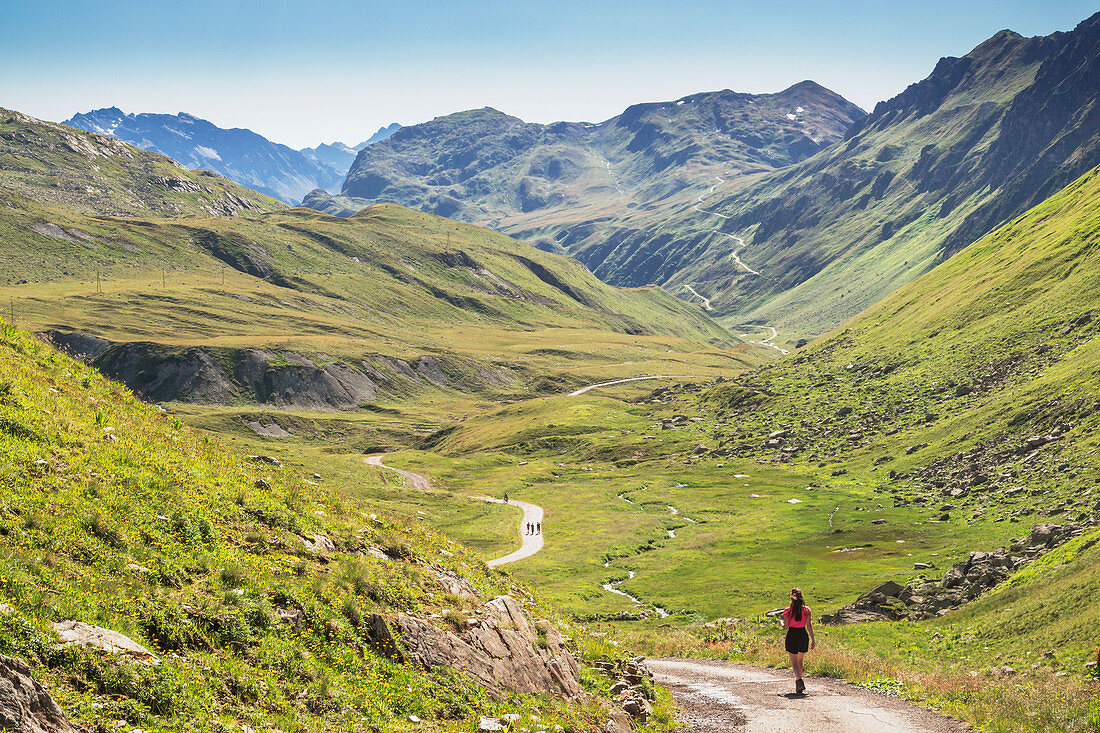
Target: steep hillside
981, 140
970, 393
238, 154
344, 309
248, 595
488, 167
99, 175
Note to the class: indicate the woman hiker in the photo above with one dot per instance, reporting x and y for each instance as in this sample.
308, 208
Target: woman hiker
800, 635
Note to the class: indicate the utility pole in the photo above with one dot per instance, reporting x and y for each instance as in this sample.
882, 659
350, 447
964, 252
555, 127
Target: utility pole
162, 285
11, 304
98, 288
223, 276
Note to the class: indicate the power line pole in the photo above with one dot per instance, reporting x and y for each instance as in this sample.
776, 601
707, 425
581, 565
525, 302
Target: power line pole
162, 285
11, 304
98, 288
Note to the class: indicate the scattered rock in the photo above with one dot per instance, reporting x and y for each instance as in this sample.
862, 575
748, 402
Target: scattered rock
318, 543
489, 724
112, 642
964, 582
25, 706
294, 616
455, 584
271, 460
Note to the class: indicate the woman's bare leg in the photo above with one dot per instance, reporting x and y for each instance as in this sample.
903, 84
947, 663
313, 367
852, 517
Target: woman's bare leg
794, 665
798, 665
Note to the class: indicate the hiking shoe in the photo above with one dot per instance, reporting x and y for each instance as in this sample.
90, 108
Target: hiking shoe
799, 686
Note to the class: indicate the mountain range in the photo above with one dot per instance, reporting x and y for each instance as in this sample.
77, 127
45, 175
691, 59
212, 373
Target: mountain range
793, 209
238, 154
489, 167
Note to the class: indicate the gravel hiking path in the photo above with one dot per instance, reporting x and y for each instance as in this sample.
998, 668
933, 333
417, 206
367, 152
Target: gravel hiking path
582, 390
532, 513
721, 697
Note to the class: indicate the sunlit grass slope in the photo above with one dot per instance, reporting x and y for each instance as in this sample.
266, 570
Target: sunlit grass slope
116, 514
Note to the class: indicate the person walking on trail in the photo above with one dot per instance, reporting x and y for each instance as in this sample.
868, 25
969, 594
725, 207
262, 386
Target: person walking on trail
505, 498
800, 635
529, 528
538, 527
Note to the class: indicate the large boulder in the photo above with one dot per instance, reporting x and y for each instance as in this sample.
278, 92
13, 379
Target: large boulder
25, 706
504, 650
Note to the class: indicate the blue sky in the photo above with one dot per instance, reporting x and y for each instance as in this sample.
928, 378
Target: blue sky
307, 72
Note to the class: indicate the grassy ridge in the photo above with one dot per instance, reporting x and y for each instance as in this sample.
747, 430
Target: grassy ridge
118, 515
96, 174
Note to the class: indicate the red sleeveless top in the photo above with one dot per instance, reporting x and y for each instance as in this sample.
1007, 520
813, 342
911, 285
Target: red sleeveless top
799, 623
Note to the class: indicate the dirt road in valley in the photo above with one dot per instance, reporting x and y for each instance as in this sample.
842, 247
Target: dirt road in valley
582, 390
531, 543
721, 697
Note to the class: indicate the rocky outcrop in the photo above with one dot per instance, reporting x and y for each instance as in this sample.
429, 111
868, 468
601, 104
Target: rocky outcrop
25, 706
964, 582
502, 649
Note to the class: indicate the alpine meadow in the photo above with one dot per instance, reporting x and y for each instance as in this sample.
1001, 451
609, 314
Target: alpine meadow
497, 422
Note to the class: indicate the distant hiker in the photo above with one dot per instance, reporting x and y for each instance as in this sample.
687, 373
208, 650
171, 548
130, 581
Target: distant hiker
528, 528
505, 498
538, 527
800, 635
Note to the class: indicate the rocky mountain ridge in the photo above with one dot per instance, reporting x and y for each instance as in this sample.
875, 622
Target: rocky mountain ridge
93, 174
489, 167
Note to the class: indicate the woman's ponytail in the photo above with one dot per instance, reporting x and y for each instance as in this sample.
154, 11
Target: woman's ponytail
796, 604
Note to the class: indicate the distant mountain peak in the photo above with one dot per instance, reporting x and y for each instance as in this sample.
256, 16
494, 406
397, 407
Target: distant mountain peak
238, 154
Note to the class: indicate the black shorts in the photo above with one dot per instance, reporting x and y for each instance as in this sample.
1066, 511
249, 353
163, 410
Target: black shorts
798, 640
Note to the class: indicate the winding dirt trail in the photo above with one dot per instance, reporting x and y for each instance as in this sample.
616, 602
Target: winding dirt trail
706, 301
721, 697
531, 543
582, 390
768, 341
735, 255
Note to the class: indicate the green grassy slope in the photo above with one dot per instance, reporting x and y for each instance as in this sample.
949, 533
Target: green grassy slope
96, 174
387, 284
974, 387
115, 514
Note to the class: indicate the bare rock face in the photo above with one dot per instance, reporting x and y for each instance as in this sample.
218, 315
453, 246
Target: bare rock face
25, 706
455, 584
504, 650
